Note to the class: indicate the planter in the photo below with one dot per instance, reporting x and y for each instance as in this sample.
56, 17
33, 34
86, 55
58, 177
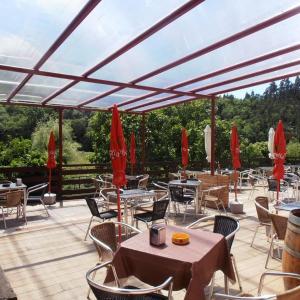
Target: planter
49, 199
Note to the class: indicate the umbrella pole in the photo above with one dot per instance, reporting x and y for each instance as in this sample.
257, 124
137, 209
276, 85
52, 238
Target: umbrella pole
131, 169
119, 213
49, 189
277, 192
235, 185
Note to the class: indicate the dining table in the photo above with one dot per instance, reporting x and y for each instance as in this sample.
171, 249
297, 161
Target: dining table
131, 198
189, 184
191, 266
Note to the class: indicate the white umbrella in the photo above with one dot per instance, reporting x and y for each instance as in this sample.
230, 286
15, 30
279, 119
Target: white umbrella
207, 142
271, 143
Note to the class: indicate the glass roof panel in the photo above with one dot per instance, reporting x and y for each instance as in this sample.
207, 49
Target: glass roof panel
208, 23
107, 102
80, 92
111, 25
153, 98
39, 87
283, 72
264, 65
28, 28
8, 82
157, 105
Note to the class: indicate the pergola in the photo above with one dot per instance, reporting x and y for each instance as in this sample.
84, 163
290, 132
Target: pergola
142, 54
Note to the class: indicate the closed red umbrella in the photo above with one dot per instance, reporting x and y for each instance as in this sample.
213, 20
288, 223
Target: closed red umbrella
118, 156
184, 149
132, 152
51, 162
235, 154
279, 155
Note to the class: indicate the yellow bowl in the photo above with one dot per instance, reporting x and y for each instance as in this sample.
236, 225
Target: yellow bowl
180, 238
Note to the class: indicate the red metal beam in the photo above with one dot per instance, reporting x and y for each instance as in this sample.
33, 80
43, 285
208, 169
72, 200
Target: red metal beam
226, 91
219, 72
85, 11
232, 80
267, 23
146, 34
94, 80
53, 106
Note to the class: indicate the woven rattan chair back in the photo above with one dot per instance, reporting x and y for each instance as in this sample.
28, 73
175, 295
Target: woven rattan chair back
159, 209
293, 294
262, 209
225, 226
104, 193
106, 233
143, 182
13, 198
280, 225
272, 184
160, 194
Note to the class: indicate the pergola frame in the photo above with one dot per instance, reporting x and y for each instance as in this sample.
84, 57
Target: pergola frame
173, 90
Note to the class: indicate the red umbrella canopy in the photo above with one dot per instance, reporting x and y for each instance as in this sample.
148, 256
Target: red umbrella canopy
279, 151
184, 147
117, 149
132, 149
51, 163
235, 148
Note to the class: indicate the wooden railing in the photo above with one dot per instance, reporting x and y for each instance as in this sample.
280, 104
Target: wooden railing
75, 181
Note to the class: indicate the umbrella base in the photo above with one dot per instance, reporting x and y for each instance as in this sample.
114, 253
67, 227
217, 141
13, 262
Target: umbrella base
49, 199
236, 207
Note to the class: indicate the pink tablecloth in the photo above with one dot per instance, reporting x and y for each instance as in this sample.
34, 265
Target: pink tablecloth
191, 266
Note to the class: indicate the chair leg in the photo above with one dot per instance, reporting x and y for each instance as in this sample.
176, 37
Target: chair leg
269, 252
87, 232
236, 272
45, 208
254, 235
211, 288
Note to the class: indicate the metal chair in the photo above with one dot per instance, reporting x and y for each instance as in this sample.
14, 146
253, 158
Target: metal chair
178, 197
279, 225
102, 216
35, 195
103, 291
143, 182
12, 199
158, 213
272, 186
161, 185
293, 294
206, 196
263, 214
228, 227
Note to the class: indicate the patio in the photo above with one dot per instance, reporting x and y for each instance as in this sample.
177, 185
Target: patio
48, 259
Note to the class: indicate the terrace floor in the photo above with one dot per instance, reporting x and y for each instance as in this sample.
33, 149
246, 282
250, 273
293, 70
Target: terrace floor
48, 258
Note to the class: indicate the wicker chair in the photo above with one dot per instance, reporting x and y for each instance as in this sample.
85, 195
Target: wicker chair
206, 196
293, 294
263, 214
228, 227
12, 199
272, 186
104, 236
102, 216
279, 225
143, 182
102, 291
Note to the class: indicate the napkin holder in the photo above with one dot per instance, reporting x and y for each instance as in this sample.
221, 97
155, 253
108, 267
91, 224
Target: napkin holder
157, 235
